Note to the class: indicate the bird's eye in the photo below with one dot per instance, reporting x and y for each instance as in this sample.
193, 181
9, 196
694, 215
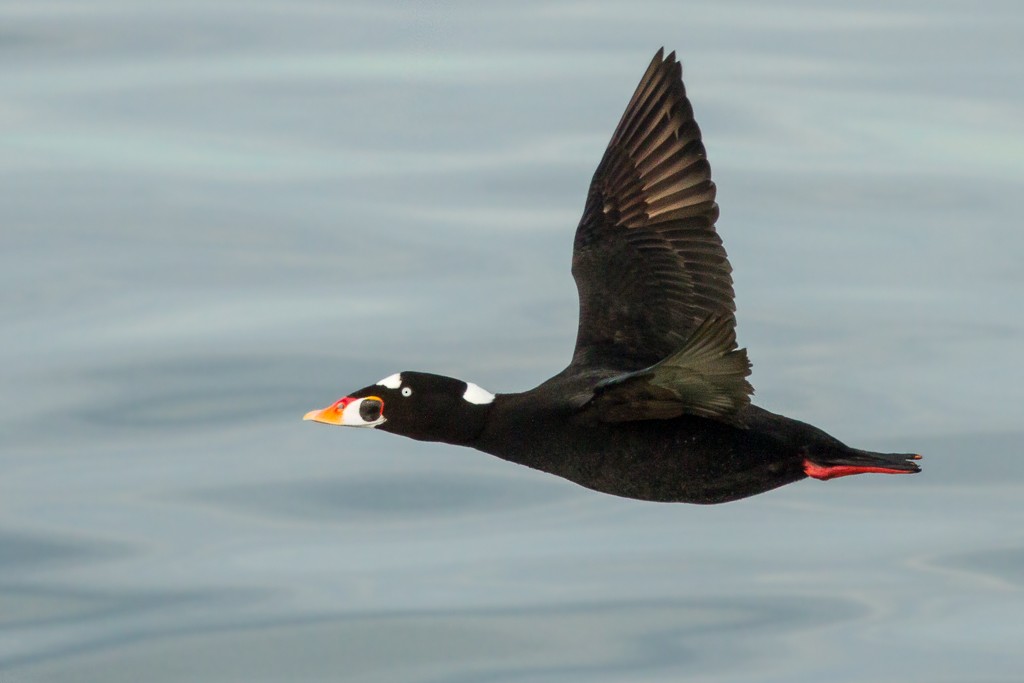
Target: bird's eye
406, 391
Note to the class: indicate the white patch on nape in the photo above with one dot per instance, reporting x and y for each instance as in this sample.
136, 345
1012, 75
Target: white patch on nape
475, 394
391, 381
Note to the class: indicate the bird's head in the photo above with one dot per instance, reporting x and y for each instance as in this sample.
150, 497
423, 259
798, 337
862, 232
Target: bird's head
418, 405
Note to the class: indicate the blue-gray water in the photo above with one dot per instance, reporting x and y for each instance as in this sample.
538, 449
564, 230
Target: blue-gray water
217, 216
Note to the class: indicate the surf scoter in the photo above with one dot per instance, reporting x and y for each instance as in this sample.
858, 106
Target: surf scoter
655, 403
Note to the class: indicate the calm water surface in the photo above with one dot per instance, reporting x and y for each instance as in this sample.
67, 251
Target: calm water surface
216, 217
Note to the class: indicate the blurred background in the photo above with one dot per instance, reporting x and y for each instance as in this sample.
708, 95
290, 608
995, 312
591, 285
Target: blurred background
215, 216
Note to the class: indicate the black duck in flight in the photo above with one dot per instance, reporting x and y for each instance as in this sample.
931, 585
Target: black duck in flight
655, 404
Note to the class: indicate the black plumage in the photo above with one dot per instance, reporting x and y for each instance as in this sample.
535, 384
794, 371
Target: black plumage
648, 264
655, 403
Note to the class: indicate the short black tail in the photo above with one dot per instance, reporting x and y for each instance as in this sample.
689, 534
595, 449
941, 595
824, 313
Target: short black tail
856, 461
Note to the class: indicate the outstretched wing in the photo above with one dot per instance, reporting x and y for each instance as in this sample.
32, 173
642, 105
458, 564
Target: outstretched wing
648, 264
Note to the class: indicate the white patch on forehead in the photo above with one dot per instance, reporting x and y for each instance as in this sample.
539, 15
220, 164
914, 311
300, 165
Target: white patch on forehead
391, 381
475, 394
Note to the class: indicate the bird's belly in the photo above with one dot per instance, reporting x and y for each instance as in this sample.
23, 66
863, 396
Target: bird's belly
690, 460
